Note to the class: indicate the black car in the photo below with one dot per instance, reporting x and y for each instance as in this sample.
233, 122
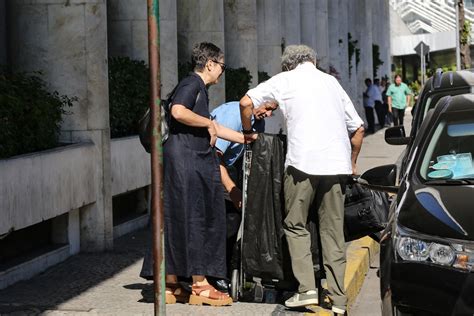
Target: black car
427, 249
440, 85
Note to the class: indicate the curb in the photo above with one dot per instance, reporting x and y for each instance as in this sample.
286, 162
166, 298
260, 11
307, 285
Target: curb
359, 254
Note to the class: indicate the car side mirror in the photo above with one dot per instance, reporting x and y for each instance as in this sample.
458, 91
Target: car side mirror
382, 178
396, 136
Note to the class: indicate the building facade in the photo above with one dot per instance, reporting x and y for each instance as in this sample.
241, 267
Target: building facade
70, 42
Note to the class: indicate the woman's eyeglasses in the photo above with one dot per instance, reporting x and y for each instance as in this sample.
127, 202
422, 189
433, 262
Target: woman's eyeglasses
223, 66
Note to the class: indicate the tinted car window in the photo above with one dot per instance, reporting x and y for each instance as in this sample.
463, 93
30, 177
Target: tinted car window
450, 150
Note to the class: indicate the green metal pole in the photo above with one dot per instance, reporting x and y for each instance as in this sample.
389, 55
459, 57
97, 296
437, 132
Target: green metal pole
156, 157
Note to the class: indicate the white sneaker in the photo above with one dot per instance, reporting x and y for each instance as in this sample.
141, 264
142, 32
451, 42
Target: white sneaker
302, 299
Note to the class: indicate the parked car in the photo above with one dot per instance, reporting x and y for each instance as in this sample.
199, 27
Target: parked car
427, 249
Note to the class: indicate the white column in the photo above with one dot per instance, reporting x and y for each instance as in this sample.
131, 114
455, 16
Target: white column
386, 35
322, 38
68, 43
128, 36
308, 23
3, 33
269, 33
342, 21
201, 21
241, 36
365, 38
168, 46
355, 85
335, 41
127, 28
292, 25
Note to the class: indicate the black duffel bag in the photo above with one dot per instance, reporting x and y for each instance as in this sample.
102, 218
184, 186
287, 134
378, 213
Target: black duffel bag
365, 212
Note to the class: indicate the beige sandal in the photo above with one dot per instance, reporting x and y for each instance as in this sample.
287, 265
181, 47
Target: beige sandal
215, 298
175, 293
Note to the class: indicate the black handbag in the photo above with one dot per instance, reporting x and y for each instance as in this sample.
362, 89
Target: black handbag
365, 211
144, 124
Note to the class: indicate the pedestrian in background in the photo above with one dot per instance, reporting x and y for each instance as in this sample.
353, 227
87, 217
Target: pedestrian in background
384, 83
378, 100
371, 95
324, 134
398, 98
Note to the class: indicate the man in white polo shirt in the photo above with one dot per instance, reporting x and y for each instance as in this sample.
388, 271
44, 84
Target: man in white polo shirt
325, 135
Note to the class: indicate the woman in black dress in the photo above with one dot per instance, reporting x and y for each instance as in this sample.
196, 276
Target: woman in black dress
194, 208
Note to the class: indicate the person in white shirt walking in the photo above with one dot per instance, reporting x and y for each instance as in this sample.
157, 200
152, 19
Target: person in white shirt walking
324, 135
372, 99
380, 109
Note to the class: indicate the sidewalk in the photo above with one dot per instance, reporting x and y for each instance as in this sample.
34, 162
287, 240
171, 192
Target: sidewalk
108, 283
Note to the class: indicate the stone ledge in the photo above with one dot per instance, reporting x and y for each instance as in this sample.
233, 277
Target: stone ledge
34, 266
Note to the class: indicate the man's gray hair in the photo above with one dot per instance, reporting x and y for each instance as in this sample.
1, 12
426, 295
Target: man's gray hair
295, 55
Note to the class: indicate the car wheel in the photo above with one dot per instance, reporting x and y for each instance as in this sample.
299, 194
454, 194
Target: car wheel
234, 285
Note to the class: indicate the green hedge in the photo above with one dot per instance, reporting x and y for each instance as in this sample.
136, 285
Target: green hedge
237, 83
128, 95
30, 116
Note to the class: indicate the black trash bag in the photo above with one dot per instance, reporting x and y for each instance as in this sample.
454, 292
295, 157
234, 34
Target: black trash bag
365, 211
263, 236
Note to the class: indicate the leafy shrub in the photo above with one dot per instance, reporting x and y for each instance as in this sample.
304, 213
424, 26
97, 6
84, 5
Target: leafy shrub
263, 76
415, 87
237, 83
376, 61
30, 116
128, 95
183, 70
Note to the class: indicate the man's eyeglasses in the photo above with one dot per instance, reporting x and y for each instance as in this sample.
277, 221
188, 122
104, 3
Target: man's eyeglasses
223, 66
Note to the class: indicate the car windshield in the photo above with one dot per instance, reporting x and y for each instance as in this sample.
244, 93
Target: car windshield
449, 153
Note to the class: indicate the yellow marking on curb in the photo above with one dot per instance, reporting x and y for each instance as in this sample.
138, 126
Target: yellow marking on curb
319, 311
358, 255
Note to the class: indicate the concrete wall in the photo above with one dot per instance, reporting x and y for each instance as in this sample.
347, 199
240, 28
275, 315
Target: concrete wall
291, 21
44, 185
241, 36
201, 21
322, 38
365, 29
339, 15
67, 41
128, 36
269, 36
168, 46
3, 33
308, 23
127, 28
130, 165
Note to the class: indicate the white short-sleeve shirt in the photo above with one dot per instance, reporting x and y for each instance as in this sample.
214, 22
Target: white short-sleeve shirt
319, 117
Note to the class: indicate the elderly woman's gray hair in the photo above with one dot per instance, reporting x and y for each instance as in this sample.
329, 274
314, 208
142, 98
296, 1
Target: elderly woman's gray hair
295, 55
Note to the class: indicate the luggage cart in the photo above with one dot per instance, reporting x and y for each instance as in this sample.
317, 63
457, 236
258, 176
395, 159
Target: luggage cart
237, 277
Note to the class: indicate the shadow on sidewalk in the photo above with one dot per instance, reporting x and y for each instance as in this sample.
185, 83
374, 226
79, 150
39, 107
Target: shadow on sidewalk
146, 290
74, 276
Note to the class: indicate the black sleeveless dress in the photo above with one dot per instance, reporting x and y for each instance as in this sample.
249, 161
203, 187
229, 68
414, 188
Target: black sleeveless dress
194, 209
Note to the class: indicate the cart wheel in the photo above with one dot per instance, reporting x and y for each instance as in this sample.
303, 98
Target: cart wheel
234, 285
